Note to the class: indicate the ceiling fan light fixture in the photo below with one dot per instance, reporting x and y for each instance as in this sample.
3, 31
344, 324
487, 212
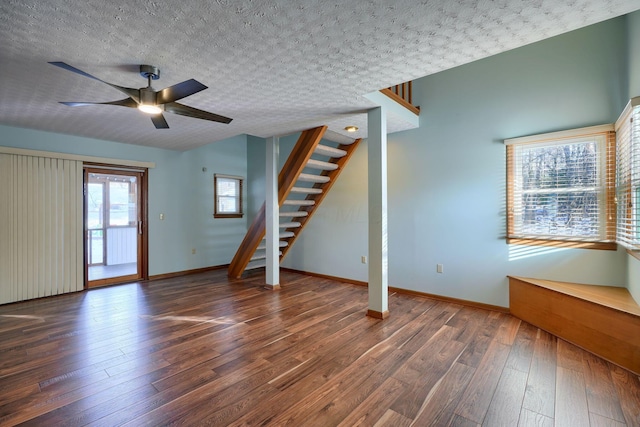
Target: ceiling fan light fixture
150, 101
149, 108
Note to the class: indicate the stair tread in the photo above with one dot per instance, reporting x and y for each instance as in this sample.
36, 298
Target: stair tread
294, 214
261, 256
319, 164
254, 265
306, 190
299, 202
330, 151
291, 224
263, 245
308, 177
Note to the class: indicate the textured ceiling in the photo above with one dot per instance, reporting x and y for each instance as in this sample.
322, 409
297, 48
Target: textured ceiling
275, 67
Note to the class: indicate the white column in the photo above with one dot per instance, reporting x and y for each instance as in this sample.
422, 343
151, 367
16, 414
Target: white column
378, 258
272, 213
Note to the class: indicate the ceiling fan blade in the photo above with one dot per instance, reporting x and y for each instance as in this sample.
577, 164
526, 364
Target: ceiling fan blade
159, 121
179, 91
131, 92
184, 110
127, 102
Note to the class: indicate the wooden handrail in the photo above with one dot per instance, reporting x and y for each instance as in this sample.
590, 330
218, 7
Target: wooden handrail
403, 95
307, 143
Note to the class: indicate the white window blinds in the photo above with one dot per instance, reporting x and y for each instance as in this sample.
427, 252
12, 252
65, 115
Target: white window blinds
560, 186
628, 175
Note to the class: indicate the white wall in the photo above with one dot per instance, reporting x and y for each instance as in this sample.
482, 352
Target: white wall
447, 178
177, 187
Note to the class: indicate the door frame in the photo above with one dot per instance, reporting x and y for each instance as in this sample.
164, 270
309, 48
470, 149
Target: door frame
143, 237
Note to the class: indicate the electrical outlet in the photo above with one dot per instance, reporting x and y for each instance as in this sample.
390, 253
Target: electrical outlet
193, 251
439, 268
363, 259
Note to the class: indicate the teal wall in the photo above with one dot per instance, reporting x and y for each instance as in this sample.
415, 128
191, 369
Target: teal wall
633, 55
256, 167
446, 188
446, 178
256, 164
177, 187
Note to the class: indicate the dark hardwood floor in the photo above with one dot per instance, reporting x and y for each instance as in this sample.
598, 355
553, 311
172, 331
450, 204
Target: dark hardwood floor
200, 350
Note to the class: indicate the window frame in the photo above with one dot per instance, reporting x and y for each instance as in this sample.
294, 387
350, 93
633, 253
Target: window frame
239, 212
607, 226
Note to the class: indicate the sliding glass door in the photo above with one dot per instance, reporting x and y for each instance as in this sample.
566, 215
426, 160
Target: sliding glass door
114, 226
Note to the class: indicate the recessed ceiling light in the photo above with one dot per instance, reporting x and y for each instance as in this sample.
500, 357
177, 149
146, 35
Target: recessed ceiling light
351, 128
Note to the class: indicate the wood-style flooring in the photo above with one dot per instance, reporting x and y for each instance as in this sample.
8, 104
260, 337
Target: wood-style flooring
203, 350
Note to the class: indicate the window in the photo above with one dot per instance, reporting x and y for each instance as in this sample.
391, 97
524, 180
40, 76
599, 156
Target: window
560, 189
628, 176
227, 196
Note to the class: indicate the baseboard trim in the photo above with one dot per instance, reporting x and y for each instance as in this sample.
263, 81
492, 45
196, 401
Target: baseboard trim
325, 276
188, 272
393, 289
452, 300
378, 314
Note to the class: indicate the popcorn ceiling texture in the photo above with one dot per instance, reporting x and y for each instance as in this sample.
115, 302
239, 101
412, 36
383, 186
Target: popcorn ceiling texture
275, 67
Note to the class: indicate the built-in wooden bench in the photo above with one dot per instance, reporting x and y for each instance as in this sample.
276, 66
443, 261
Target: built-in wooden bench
604, 320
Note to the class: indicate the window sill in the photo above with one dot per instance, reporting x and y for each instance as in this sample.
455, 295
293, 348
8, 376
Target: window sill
228, 215
634, 254
605, 246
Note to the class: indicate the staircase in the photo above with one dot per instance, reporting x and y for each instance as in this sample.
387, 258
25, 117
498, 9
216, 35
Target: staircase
303, 183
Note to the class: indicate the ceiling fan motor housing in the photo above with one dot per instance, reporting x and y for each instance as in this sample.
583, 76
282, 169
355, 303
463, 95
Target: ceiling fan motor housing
148, 96
147, 71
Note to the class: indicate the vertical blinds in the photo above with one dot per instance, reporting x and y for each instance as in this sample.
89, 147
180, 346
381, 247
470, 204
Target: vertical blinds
628, 175
41, 243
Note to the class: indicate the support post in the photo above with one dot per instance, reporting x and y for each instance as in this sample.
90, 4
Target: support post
272, 214
378, 257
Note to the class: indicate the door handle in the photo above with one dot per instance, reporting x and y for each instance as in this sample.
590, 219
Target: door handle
139, 227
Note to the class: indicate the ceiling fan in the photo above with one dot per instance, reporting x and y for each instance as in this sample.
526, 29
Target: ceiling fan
150, 101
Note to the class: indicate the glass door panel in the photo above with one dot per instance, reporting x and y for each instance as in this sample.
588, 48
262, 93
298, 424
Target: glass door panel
95, 223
